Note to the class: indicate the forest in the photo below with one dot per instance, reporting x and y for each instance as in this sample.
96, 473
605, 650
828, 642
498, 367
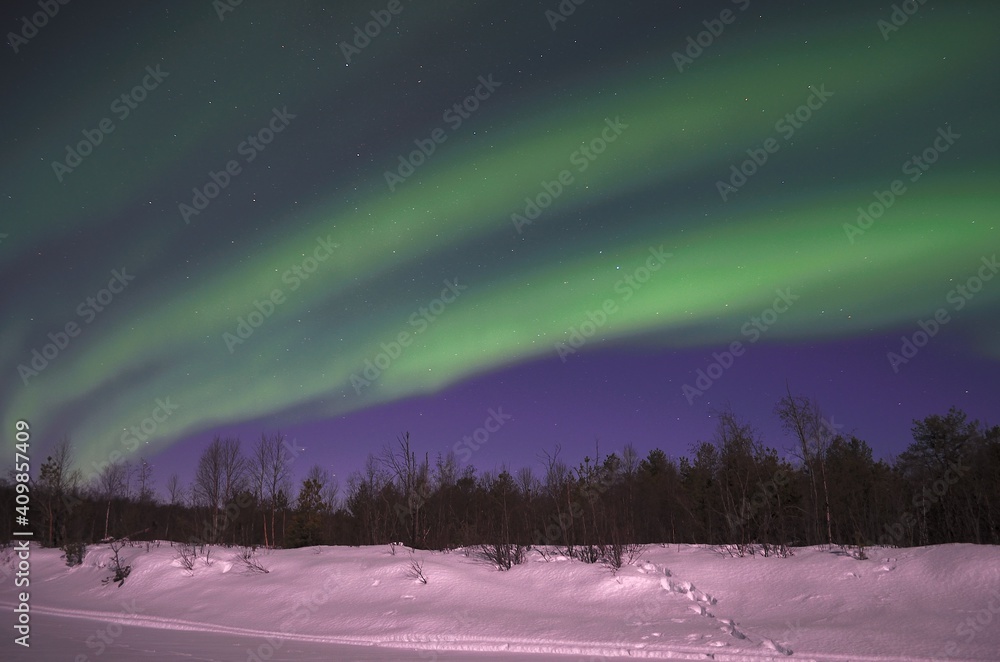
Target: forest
733, 491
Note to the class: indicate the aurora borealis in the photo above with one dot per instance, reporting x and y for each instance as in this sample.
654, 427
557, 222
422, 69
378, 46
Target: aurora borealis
477, 205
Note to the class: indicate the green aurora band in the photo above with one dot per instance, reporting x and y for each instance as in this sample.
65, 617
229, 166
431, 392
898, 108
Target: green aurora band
683, 130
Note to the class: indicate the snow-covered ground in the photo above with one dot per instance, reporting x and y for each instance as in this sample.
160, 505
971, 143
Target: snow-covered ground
686, 602
63, 637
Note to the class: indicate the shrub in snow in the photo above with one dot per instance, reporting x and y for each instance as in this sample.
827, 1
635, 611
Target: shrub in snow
186, 556
416, 570
617, 554
121, 571
74, 552
860, 545
247, 557
632, 551
587, 553
781, 550
503, 555
858, 552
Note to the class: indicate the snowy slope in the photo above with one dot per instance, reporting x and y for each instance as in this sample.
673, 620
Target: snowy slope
686, 602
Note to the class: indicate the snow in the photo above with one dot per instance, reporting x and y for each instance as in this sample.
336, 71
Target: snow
66, 638
675, 602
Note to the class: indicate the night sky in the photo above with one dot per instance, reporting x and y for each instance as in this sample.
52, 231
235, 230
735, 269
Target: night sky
241, 219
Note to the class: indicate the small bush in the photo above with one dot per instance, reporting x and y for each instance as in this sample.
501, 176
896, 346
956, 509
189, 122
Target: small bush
589, 553
74, 552
860, 546
503, 555
416, 570
247, 557
186, 556
121, 571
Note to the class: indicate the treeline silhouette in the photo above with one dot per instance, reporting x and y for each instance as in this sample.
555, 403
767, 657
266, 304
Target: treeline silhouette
733, 490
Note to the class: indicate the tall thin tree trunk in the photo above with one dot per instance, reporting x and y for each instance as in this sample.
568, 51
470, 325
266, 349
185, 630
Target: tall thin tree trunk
107, 518
826, 499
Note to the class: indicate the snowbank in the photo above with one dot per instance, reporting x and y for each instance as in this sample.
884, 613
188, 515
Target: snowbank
686, 602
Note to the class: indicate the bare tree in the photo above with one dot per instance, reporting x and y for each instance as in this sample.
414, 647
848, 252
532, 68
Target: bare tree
112, 483
269, 472
175, 491
556, 472
365, 500
144, 476
411, 478
220, 475
175, 494
802, 417
258, 465
557, 488
527, 484
736, 473
234, 467
56, 486
328, 484
630, 461
207, 489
